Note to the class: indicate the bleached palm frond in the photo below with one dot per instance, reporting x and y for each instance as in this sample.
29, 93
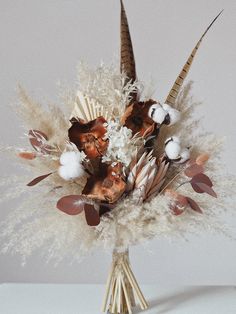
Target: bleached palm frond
87, 108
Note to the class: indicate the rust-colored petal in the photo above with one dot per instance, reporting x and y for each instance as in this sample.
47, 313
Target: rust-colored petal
136, 117
179, 202
71, 204
89, 137
193, 170
27, 155
194, 205
38, 179
91, 215
203, 178
107, 185
202, 159
203, 188
37, 140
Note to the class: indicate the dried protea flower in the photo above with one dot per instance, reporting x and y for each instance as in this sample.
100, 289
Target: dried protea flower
89, 137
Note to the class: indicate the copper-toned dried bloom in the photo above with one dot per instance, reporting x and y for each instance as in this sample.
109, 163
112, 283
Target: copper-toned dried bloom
107, 185
89, 137
136, 117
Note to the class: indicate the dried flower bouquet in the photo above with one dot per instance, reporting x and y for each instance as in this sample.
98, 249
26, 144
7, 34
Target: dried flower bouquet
120, 168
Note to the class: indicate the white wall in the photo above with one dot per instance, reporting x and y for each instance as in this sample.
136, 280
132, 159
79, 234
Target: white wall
41, 43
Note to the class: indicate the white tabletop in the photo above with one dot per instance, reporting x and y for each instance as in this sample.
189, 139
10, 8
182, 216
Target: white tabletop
87, 299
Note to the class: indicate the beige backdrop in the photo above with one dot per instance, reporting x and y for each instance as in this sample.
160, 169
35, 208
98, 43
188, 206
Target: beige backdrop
41, 43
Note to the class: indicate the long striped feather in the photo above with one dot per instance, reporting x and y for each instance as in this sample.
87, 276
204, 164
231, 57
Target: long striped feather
171, 98
127, 61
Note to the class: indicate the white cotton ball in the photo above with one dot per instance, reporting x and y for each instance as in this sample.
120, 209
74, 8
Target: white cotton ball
174, 139
157, 113
185, 155
71, 171
172, 149
166, 107
71, 157
173, 113
71, 167
174, 116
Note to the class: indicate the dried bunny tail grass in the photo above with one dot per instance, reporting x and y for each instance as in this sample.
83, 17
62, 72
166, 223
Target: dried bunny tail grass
52, 122
107, 86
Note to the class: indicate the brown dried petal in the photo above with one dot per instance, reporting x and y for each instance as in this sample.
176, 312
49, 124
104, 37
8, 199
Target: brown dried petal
91, 215
71, 204
27, 155
107, 185
205, 188
202, 159
177, 211
38, 179
193, 205
196, 188
193, 170
89, 136
202, 178
37, 139
136, 117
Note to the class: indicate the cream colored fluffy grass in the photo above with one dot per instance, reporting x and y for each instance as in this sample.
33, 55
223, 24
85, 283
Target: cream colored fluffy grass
38, 224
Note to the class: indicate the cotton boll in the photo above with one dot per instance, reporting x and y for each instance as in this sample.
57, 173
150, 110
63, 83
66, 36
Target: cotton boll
174, 139
71, 167
174, 116
166, 107
69, 157
71, 171
157, 113
185, 155
173, 113
172, 149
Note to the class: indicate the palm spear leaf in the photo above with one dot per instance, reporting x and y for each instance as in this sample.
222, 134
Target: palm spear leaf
171, 98
87, 108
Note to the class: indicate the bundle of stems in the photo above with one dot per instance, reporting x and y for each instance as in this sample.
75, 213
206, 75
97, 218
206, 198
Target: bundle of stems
122, 289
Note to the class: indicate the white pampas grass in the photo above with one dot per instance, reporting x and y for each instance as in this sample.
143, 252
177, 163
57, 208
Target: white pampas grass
107, 86
71, 165
38, 224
